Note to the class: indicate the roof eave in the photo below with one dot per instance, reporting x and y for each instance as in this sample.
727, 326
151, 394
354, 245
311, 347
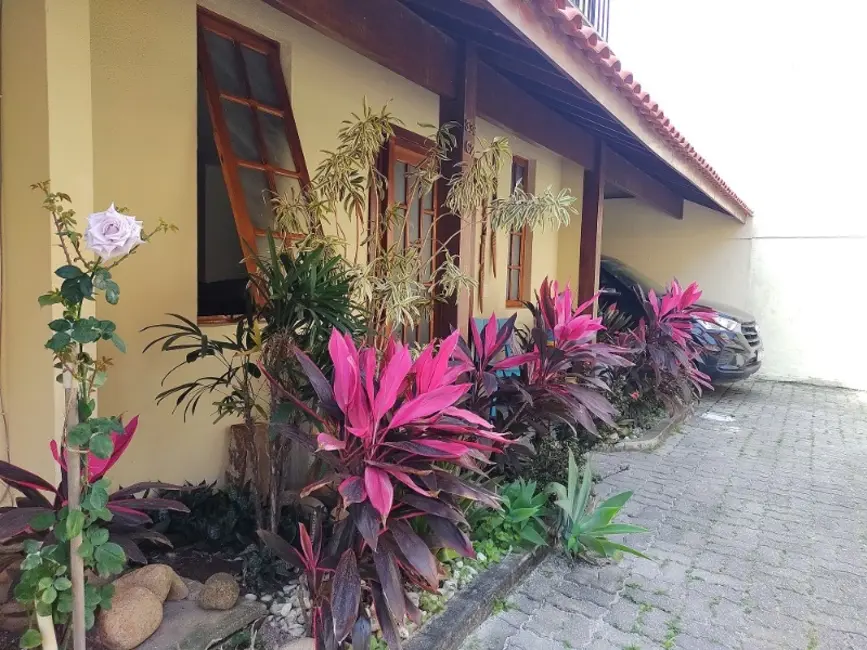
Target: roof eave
554, 36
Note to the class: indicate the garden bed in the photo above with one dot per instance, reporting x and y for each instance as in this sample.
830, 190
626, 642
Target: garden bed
654, 436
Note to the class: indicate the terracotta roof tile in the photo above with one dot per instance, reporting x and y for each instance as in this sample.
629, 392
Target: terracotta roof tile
569, 21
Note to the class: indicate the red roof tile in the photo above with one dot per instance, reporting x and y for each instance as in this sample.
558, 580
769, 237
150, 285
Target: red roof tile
570, 21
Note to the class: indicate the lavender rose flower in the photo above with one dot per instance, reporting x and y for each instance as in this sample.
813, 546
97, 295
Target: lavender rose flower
112, 234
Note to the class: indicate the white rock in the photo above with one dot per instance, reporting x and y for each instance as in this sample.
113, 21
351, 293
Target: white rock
250, 597
296, 630
414, 597
266, 598
481, 557
459, 564
288, 589
404, 633
276, 608
286, 610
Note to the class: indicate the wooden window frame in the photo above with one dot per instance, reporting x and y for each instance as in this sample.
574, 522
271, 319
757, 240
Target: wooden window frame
525, 236
230, 163
410, 148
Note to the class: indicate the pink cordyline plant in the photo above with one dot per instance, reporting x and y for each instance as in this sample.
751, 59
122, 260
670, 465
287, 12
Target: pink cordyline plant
388, 431
666, 351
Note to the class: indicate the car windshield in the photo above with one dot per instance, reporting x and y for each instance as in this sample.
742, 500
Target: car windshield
630, 276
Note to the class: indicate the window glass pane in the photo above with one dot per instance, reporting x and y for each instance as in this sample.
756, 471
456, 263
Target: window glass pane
286, 185
259, 74
413, 223
424, 330
258, 196
427, 258
515, 249
426, 219
224, 61
409, 335
239, 119
514, 284
428, 201
399, 182
274, 134
519, 177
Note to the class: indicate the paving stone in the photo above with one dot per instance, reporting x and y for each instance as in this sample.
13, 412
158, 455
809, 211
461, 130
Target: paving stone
757, 537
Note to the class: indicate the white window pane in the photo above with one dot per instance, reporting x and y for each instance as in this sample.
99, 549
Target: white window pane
239, 119
258, 197
224, 60
259, 74
274, 134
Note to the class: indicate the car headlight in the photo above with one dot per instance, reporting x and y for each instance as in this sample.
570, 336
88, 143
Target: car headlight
722, 324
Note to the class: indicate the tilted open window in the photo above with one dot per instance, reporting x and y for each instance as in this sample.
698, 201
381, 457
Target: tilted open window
249, 152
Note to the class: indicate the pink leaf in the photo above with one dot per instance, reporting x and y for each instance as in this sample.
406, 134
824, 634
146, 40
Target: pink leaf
327, 442
428, 404
406, 479
390, 381
490, 335
380, 491
517, 360
468, 416
345, 370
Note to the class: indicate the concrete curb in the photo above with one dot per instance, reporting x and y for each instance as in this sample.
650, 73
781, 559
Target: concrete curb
654, 436
470, 607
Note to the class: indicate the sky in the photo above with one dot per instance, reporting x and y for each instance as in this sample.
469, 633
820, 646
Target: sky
771, 92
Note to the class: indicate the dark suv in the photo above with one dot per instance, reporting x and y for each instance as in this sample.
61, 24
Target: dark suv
741, 353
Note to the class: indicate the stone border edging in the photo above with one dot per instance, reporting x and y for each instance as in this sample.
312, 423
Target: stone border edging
469, 608
654, 437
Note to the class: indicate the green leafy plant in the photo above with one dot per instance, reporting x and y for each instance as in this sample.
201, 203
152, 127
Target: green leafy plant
519, 523
584, 529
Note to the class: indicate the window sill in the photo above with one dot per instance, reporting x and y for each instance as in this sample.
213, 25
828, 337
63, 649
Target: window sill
213, 321
515, 304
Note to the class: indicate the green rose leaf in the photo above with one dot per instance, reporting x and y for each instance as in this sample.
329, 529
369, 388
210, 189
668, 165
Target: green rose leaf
59, 325
74, 523
110, 558
49, 299
101, 277
63, 584
84, 332
89, 619
99, 379
118, 343
86, 549
105, 514
70, 291
64, 603
79, 435
85, 285
97, 499
45, 583
49, 595
68, 272
106, 593
112, 292
98, 536
58, 342
42, 521
31, 639
44, 609
101, 446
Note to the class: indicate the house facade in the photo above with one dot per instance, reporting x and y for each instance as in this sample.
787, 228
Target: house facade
193, 111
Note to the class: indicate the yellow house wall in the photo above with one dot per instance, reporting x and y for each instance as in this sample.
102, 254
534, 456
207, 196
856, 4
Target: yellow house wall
136, 125
145, 158
554, 252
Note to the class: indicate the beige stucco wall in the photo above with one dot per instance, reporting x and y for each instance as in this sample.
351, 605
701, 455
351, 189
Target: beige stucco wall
705, 246
554, 252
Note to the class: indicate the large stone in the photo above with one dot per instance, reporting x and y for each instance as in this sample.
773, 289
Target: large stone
186, 626
159, 578
13, 617
135, 614
179, 589
221, 592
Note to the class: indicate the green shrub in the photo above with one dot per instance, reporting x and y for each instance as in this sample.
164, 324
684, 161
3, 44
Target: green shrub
519, 523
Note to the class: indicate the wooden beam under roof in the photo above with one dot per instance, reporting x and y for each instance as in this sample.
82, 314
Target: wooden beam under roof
627, 176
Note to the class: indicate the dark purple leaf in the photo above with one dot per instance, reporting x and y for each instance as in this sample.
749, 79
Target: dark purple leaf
32, 498
345, 595
367, 522
412, 611
390, 581
282, 549
132, 490
416, 552
133, 552
451, 536
434, 507
453, 485
386, 622
15, 476
361, 634
320, 384
420, 449
128, 516
151, 536
17, 520
150, 504
324, 630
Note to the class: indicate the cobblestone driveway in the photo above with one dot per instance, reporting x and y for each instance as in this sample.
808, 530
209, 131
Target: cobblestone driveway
758, 535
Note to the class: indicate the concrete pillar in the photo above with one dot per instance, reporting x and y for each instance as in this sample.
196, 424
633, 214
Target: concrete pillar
46, 132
